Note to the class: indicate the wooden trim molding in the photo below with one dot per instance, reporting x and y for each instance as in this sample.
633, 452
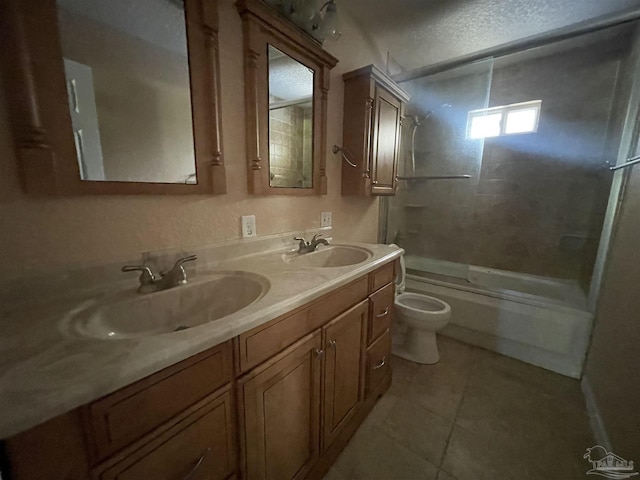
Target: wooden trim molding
263, 26
36, 91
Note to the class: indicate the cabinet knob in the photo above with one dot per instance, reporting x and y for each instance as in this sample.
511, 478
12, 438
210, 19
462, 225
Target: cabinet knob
332, 343
381, 364
386, 312
319, 352
197, 466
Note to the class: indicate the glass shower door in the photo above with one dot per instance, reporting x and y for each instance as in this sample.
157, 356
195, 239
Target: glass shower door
430, 218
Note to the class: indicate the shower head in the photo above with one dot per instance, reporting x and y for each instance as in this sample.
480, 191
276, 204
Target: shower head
431, 112
417, 120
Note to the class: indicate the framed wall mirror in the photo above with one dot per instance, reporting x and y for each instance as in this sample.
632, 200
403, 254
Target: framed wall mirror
115, 97
287, 83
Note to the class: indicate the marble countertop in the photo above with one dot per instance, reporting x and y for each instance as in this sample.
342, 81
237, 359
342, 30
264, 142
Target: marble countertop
45, 371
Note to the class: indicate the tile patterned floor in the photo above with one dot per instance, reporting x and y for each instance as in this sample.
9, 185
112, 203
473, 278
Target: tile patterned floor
475, 415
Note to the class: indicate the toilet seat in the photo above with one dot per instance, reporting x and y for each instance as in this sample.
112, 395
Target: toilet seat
415, 305
422, 312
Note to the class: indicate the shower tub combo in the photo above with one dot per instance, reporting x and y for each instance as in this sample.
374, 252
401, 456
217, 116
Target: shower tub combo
545, 322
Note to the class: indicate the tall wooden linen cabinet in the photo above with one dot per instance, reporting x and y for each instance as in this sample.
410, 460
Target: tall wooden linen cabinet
373, 112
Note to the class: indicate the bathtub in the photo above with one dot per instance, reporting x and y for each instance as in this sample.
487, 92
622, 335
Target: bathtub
539, 320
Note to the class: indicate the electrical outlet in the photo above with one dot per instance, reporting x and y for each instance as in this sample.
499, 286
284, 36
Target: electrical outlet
248, 226
325, 219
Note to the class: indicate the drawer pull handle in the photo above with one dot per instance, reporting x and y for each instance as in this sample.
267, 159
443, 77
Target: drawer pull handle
191, 474
386, 311
319, 352
332, 343
382, 363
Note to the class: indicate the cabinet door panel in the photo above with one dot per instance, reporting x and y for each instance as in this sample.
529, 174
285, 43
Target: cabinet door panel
386, 142
282, 413
343, 379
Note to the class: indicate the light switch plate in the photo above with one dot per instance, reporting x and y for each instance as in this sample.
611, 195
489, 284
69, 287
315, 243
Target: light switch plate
325, 219
248, 226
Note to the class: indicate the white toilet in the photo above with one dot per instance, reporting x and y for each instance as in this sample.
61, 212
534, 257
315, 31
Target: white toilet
418, 317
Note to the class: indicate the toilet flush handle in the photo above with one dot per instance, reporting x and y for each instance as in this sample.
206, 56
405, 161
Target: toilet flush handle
386, 311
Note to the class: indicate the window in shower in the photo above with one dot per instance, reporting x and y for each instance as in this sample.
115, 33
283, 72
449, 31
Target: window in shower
512, 119
530, 217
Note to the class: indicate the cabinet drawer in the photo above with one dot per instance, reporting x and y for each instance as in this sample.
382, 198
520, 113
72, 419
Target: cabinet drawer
381, 277
199, 447
337, 302
126, 415
378, 362
381, 312
265, 341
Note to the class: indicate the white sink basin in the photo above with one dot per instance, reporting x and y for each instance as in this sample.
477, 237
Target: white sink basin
331, 256
127, 314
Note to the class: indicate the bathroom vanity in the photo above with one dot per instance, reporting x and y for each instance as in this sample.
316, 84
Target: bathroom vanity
274, 390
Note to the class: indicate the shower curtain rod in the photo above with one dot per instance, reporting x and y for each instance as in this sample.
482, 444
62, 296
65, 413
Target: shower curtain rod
628, 163
433, 177
588, 26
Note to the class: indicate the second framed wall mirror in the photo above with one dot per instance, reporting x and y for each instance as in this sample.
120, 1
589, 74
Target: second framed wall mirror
287, 84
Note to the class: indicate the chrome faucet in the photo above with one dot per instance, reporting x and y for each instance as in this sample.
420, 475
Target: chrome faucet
150, 283
306, 247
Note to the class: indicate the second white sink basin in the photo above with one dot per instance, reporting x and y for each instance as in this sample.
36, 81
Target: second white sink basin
127, 314
331, 256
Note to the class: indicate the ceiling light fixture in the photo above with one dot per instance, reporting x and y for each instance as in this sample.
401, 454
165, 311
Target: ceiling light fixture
321, 23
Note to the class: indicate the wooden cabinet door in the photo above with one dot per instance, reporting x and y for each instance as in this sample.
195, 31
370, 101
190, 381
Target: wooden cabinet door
53, 450
281, 401
386, 142
343, 377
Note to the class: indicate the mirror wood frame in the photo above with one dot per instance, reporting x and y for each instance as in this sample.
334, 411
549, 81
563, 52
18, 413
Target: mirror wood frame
35, 87
263, 26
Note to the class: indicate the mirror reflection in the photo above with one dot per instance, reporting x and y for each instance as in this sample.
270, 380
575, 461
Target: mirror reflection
127, 73
290, 121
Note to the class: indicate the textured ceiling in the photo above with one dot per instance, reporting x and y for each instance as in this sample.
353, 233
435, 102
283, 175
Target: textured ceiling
417, 33
288, 79
160, 22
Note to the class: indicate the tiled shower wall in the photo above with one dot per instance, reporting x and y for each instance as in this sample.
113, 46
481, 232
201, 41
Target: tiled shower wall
288, 148
541, 198
536, 202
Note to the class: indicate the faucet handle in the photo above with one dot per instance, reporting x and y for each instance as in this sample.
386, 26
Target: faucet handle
302, 241
177, 272
190, 258
146, 275
315, 237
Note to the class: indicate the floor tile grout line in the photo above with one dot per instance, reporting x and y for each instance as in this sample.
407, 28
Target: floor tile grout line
472, 368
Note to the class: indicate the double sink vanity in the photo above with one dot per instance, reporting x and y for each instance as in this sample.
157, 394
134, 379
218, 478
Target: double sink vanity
261, 366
